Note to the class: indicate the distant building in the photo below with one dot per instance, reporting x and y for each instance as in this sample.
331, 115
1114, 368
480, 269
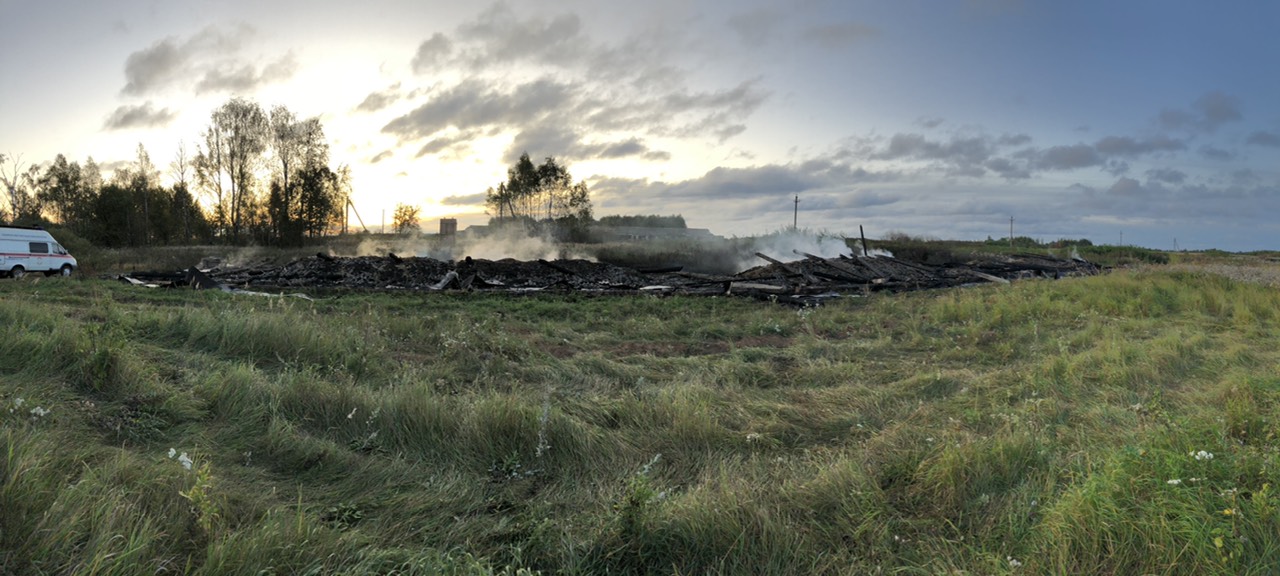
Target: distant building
448, 226
623, 233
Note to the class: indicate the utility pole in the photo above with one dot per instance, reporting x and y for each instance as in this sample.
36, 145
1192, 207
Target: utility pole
1122, 237
795, 216
1011, 232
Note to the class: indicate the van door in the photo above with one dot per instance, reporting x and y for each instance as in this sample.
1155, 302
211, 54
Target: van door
39, 257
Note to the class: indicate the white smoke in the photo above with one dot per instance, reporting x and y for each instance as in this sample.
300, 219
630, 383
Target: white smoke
789, 245
514, 242
872, 252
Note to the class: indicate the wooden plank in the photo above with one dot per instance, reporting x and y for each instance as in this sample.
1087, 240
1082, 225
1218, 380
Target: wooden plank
801, 273
841, 266
758, 287
988, 277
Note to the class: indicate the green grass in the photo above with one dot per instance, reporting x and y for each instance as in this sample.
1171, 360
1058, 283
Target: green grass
1041, 427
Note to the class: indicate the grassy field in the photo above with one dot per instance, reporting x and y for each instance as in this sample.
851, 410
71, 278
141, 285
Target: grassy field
1121, 424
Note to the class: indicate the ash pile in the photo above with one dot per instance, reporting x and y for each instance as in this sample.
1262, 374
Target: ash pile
807, 279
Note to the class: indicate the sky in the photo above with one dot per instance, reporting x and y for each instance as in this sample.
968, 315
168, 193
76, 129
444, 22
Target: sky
1152, 123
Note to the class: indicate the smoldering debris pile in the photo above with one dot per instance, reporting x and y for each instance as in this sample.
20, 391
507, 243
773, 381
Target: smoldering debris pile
805, 280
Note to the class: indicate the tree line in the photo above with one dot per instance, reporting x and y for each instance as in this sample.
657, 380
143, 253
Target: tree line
542, 197
643, 220
265, 176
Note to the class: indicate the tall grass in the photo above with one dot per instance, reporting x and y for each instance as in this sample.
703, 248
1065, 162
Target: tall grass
1042, 427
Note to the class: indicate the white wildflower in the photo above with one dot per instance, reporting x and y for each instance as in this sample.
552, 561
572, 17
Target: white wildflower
1173, 482
39, 412
185, 460
1013, 562
1202, 455
172, 453
753, 437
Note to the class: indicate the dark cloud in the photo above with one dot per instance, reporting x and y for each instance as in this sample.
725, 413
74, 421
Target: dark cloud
818, 176
1068, 157
1244, 177
566, 143
929, 122
240, 77
474, 104
1262, 138
1216, 109
865, 199
1116, 167
544, 80
1207, 113
1215, 153
378, 100
1127, 147
623, 149
464, 200
499, 35
1008, 168
453, 142
381, 156
433, 52
1128, 187
962, 151
544, 140
1013, 140
210, 59
1167, 175
140, 116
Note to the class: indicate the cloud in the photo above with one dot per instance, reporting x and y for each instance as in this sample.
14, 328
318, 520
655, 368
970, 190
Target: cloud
1068, 157
454, 143
498, 35
1128, 147
464, 200
929, 122
376, 101
210, 60
239, 77
1214, 153
1207, 113
550, 140
547, 83
433, 52
140, 116
823, 177
1216, 109
1262, 138
1008, 168
474, 103
959, 150
381, 156
1167, 175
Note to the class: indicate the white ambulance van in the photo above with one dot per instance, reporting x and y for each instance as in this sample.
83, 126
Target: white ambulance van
24, 250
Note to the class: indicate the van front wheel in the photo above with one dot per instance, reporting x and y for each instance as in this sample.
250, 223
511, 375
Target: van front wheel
18, 272
66, 270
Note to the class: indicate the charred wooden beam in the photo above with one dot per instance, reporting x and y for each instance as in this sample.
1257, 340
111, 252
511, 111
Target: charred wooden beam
795, 271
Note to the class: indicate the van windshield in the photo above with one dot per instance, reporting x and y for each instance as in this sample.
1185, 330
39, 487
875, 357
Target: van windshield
58, 249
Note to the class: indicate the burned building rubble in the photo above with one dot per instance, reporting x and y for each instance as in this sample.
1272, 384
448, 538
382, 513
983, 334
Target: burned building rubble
806, 279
